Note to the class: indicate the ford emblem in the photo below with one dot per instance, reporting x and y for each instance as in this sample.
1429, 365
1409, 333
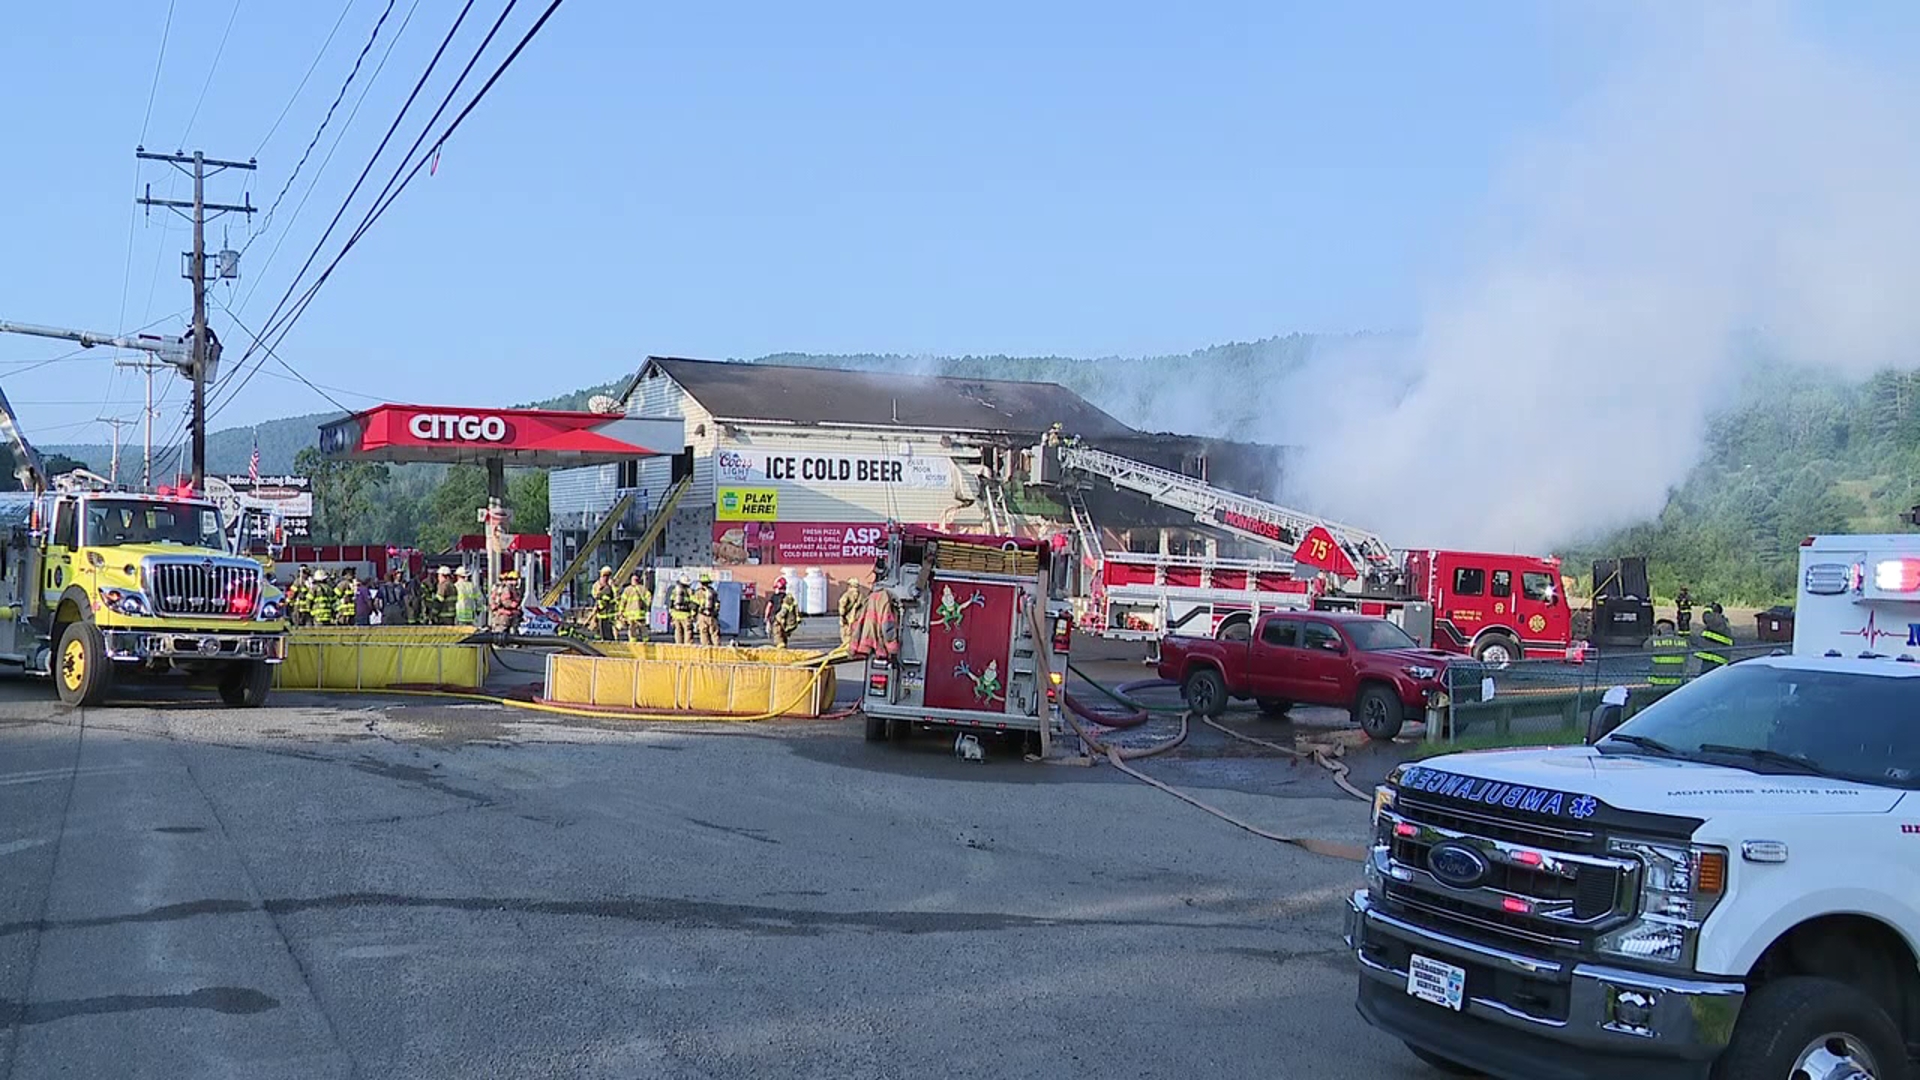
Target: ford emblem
1458, 865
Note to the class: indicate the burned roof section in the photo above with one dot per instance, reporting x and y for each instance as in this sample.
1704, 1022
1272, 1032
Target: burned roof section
776, 393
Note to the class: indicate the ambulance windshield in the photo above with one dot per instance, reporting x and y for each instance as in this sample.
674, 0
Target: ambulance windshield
113, 522
1841, 724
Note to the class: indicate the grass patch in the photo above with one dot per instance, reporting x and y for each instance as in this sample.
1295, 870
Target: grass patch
1494, 741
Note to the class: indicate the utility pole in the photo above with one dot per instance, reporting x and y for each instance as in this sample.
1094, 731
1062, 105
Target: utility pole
146, 365
205, 352
159, 350
113, 470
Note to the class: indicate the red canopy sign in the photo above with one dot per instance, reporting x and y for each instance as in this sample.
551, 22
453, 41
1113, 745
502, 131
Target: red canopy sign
537, 437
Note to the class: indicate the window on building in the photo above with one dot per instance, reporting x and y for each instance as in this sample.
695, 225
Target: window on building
628, 474
1469, 581
1503, 583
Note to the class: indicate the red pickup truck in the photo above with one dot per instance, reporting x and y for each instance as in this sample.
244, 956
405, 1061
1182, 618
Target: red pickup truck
1357, 662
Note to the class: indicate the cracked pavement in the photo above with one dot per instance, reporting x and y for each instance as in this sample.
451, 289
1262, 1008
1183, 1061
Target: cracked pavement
348, 888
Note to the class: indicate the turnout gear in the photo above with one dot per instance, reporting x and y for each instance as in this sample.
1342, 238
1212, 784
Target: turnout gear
1683, 607
680, 610
1669, 660
878, 634
636, 602
783, 618
606, 603
466, 600
503, 606
1716, 640
320, 601
706, 612
852, 603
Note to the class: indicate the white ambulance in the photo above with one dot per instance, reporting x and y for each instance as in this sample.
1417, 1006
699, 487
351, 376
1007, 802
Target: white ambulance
1858, 594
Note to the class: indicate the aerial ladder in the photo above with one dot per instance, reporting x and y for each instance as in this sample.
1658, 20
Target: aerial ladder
1306, 538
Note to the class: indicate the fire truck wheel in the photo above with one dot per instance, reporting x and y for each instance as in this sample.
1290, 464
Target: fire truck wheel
81, 670
246, 684
1274, 707
876, 728
1206, 693
1379, 713
1496, 650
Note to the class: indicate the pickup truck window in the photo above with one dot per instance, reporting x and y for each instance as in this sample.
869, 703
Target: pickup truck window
1469, 581
1318, 635
1537, 586
1282, 632
1503, 583
1849, 725
1375, 636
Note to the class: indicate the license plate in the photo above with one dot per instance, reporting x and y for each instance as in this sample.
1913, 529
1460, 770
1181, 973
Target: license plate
1442, 984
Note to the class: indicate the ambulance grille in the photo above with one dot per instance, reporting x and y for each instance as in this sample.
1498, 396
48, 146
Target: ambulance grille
204, 588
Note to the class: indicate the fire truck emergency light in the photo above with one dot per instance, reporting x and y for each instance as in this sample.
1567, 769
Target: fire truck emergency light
1897, 575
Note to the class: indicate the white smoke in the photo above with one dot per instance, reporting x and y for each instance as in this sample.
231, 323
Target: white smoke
1737, 176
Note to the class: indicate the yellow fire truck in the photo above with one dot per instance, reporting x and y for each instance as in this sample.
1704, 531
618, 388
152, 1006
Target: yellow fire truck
99, 583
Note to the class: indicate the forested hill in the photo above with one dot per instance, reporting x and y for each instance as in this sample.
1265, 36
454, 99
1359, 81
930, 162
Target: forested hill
1805, 453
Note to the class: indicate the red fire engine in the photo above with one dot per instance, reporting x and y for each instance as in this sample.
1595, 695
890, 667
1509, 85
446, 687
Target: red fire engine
1494, 607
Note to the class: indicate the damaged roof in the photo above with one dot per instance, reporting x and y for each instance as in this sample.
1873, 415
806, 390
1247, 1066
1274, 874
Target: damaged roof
736, 390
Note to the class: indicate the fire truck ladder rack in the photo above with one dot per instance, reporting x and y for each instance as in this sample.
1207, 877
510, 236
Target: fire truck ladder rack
654, 528
1211, 506
999, 515
1083, 525
585, 554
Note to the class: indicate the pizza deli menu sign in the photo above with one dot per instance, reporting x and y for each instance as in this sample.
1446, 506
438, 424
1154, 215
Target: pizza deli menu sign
810, 470
766, 543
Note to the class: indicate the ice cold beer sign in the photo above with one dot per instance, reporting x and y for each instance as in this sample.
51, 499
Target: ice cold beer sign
809, 470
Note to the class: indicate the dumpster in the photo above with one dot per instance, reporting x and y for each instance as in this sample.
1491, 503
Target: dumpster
1774, 625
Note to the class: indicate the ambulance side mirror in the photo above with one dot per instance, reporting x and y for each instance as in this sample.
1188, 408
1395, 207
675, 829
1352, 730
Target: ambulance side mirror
1603, 722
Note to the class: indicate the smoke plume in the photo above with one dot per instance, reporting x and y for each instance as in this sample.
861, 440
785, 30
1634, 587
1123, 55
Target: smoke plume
1736, 178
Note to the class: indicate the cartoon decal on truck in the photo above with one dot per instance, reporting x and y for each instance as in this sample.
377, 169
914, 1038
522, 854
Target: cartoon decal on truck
986, 684
951, 611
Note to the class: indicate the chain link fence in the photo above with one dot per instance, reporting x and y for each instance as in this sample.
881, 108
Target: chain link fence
1549, 701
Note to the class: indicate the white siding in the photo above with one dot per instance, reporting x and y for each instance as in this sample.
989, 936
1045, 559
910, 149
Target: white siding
588, 490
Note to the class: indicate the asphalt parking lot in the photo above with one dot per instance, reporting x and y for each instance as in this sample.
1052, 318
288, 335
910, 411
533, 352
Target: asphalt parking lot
360, 887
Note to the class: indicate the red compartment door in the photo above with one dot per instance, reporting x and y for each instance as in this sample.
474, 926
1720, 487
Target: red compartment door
969, 644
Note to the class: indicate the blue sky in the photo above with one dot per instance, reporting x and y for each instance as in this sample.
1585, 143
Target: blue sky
1074, 178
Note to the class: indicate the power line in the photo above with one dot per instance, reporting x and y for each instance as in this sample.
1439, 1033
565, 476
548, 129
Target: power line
315, 387
337, 98
391, 192
313, 183
211, 68
311, 68
165, 28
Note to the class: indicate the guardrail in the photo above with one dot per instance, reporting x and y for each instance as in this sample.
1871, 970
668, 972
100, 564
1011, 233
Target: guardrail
1544, 698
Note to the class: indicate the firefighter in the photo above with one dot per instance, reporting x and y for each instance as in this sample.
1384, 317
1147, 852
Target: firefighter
680, 609
440, 602
320, 600
1716, 639
706, 611
1683, 607
1669, 657
503, 604
606, 603
774, 597
783, 614
852, 602
343, 598
466, 599
297, 591
636, 602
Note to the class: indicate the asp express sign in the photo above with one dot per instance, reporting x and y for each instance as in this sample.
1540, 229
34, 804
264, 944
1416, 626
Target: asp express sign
788, 542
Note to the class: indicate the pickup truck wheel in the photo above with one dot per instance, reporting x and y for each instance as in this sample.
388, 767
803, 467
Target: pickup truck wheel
1802, 1026
1445, 1065
1274, 707
876, 728
1206, 693
1379, 713
81, 671
246, 684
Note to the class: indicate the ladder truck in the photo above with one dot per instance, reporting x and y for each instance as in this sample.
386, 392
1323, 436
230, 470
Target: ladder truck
1494, 607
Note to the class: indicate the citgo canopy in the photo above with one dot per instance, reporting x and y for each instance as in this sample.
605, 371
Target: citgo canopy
546, 438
